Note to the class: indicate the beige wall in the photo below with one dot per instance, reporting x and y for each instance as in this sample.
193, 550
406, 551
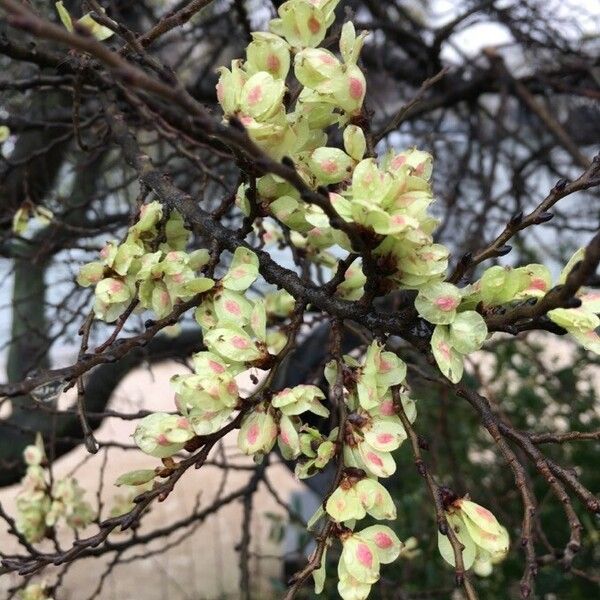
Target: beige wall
203, 566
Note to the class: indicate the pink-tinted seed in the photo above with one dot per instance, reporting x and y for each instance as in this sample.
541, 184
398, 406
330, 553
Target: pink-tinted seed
356, 88
327, 59
387, 408
183, 423
233, 307
329, 166
255, 95
273, 63
253, 433
314, 25
216, 367
383, 540
485, 514
220, 92
444, 349
384, 366
446, 303
164, 298
364, 555
398, 220
385, 438
213, 391
162, 440
239, 342
116, 286
398, 161
537, 284
373, 458
232, 388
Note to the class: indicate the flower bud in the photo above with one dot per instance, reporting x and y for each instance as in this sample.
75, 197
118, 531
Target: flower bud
354, 142
34, 454
150, 216
230, 86
352, 288
350, 44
